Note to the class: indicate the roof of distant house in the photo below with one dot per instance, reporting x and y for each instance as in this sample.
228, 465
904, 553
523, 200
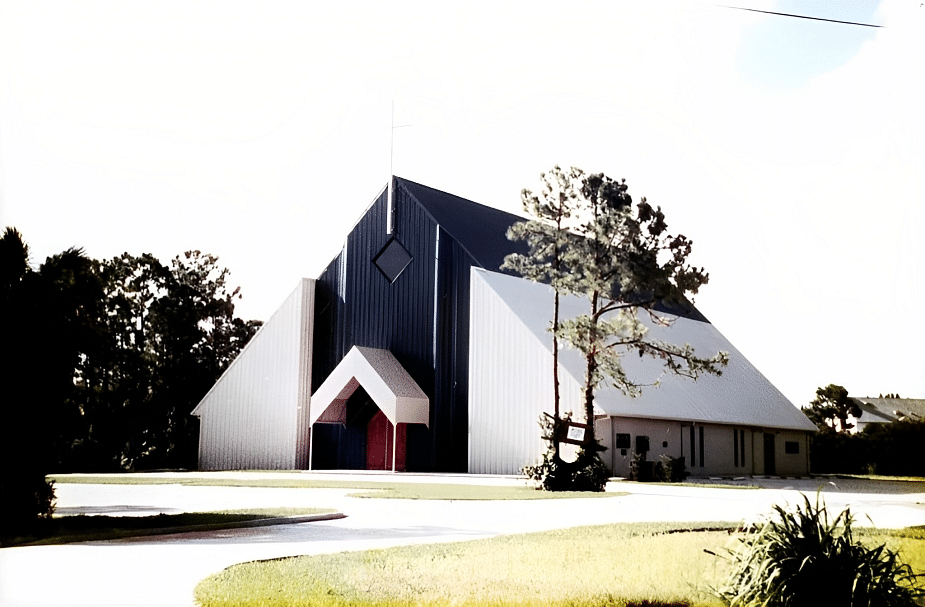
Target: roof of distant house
886, 410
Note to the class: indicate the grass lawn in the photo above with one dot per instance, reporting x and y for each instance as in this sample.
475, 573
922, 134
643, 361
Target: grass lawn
384, 489
68, 529
881, 477
610, 565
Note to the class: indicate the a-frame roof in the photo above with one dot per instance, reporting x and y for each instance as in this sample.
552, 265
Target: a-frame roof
741, 396
482, 231
391, 387
479, 229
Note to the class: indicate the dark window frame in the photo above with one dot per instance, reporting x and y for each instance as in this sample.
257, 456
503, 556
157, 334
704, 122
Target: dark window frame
742, 446
693, 447
702, 459
735, 447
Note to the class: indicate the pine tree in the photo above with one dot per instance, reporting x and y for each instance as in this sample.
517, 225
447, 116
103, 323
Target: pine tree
588, 239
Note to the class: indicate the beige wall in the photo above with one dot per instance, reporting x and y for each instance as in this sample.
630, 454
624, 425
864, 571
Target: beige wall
718, 456
785, 464
664, 438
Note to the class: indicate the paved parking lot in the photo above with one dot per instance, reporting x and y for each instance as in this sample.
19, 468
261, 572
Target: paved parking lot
163, 570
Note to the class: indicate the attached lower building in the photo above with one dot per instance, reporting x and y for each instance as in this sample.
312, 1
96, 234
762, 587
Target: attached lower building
413, 351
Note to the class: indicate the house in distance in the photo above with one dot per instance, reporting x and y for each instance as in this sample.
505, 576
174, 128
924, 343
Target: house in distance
412, 351
885, 410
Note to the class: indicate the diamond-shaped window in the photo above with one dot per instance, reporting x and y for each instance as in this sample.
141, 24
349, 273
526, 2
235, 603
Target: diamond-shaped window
392, 260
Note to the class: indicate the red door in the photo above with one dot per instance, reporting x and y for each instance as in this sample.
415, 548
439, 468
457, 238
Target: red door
379, 438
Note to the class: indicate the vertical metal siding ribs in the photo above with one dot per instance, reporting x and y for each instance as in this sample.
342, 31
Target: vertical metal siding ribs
422, 318
507, 386
250, 417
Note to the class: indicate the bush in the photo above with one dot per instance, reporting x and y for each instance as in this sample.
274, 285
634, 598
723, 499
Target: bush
896, 448
666, 470
641, 469
890, 449
670, 469
587, 473
802, 559
552, 473
837, 452
24, 499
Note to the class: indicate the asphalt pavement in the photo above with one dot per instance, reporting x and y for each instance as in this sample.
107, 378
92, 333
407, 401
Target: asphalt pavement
163, 570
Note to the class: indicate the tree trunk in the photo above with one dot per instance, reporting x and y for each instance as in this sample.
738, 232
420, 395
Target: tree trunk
591, 370
555, 376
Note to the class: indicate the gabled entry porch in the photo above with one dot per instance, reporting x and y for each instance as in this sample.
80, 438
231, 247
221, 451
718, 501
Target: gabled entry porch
370, 391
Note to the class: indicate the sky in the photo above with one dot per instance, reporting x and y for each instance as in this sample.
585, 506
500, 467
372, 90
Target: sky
789, 150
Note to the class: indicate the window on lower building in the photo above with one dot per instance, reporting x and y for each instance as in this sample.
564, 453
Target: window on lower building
735, 447
738, 447
701, 447
742, 447
791, 447
693, 444
623, 441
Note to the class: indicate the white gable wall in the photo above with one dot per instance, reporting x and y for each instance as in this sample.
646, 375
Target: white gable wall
510, 384
256, 415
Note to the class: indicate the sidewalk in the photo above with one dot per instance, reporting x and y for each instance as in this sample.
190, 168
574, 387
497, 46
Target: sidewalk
163, 570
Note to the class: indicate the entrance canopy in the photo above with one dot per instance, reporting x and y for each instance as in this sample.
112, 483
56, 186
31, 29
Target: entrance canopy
384, 379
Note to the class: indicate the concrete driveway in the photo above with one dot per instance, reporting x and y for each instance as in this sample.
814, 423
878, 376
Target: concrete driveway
163, 570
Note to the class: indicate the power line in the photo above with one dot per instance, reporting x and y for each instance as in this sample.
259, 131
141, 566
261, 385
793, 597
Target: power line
755, 10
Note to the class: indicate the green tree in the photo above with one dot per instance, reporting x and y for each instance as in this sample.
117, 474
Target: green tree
47, 319
547, 237
832, 407
620, 257
102, 363
170, 331
22, 476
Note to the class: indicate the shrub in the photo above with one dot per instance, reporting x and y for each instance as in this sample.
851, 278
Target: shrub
666, 470
670, 469
837, 452
895, 448
641, 469
890, 449
802, 558
551, 473
587, 473
24, 499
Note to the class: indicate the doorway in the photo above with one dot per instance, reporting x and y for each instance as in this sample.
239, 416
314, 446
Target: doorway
382, 441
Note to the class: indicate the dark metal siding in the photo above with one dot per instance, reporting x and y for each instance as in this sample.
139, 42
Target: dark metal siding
356, 305
362, 308
344, 447
370, 311
452, 374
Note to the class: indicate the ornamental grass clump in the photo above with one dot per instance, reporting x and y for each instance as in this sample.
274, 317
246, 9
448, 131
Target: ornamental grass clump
802, 558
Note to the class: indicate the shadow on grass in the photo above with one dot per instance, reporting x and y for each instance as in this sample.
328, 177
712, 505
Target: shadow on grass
82, 528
